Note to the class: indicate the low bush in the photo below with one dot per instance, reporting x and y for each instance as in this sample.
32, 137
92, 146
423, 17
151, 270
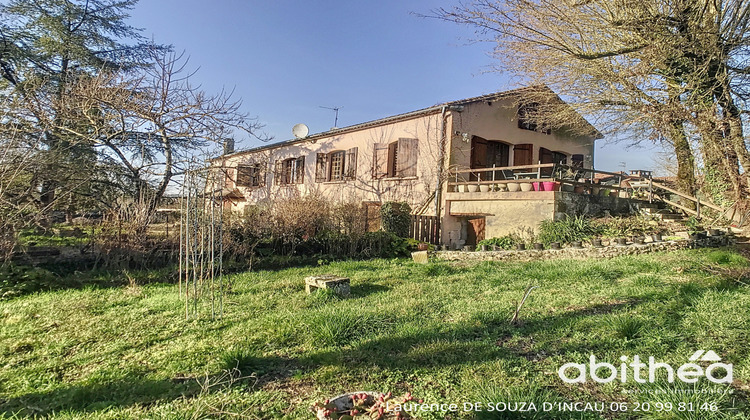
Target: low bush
396, 218
504, 242
569, 229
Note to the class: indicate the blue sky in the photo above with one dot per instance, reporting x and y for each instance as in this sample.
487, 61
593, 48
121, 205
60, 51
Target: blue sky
287, 59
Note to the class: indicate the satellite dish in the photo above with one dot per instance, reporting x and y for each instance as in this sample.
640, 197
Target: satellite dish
300, 131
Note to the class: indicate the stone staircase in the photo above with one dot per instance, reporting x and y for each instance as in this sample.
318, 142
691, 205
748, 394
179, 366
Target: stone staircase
659, 210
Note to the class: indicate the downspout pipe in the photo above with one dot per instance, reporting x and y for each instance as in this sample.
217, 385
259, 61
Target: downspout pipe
441, 161
441, 155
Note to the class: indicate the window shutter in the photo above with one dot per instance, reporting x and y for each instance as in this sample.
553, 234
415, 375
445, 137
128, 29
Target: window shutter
321, 167
406, 162
278, 171
380, 161
300, 173
244, 176
350, 164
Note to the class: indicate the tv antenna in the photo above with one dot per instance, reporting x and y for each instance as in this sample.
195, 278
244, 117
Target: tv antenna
335, 109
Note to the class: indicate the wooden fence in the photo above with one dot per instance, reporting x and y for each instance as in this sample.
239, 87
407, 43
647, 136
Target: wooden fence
425, 229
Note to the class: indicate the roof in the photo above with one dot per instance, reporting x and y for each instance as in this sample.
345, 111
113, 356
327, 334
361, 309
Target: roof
401, 117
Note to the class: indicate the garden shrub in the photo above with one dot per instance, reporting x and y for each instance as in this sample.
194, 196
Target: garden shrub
396, 218
569, 229
504, 242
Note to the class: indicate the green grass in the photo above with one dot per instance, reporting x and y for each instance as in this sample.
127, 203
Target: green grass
439, 331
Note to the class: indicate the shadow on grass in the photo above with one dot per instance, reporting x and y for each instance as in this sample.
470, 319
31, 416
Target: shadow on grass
139, 390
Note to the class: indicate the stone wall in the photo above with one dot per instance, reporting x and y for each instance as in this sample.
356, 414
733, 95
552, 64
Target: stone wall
583, 253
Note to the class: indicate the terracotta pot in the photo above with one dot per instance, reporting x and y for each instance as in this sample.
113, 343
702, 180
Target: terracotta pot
526, 186
578, 189
423, 246
513, 186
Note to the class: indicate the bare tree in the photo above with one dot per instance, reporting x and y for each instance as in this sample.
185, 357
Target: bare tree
151, 124
659, 70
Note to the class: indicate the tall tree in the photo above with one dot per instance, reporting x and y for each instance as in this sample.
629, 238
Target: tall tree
664, 70
46, 47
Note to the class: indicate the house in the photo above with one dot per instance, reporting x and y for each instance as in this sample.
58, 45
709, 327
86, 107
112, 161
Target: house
427, 158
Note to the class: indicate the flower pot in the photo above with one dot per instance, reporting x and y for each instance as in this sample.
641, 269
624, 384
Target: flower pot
463, 188
577, 244
513, 186
596, 243
484, 188
469, 248
423, 246
520, 247
693, 236
566, 188
656, 237
483, 248
639, 240
554, 245
579, 189
595, 190
537, 186
473, 187
702, 235
526, 186
549, 186
622, 241
539, 246
715, 232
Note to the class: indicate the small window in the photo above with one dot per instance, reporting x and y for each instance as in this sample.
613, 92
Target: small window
249, 175
396, 160
339, 165
290, 171
576, 161
528, 118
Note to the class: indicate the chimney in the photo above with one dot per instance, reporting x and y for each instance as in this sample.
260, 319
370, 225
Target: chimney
228, 146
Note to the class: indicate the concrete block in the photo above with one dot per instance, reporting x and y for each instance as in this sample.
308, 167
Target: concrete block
340, 285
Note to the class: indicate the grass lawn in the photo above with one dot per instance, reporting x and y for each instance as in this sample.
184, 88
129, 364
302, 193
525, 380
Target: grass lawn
439, 331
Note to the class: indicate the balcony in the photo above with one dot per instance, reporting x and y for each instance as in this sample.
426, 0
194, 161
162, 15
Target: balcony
534, 182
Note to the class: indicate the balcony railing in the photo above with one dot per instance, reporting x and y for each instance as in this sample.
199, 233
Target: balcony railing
539, 177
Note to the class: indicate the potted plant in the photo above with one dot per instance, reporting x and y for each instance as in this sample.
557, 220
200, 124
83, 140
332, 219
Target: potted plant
577, 244
596, 242
423, 246
539, 246
520, 246
554, 245
363, 405
622, 241
694, 228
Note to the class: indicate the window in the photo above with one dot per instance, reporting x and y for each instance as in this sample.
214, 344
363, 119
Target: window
547, 156
339, 165
528, 116
249, 175
576, 161
397, 159
290, 171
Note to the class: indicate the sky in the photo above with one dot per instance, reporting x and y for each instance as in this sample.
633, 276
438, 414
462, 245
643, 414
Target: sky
291, 60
